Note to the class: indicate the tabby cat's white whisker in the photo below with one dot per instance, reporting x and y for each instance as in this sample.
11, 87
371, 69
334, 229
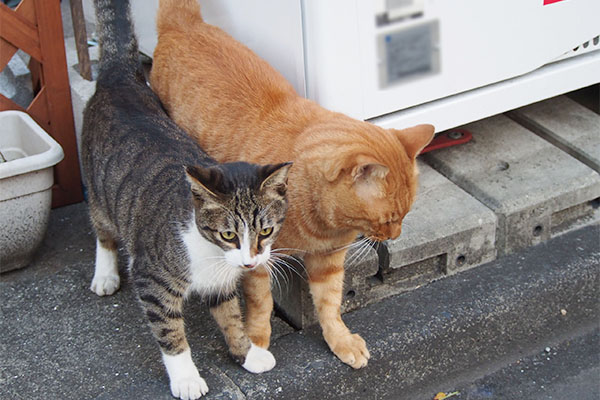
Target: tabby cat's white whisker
281, 273
274, 279
288, 249
287, 286
291, 267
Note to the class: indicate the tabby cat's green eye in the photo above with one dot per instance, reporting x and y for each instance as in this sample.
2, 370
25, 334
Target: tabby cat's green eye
266, 231
228, 235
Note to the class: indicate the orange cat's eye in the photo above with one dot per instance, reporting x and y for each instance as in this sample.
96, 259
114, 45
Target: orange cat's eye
228, 235
266, 231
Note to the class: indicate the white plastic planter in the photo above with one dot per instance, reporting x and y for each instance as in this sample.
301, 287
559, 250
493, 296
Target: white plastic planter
26, 179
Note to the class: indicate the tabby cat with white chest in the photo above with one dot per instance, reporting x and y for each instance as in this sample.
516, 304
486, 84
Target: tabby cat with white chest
188, 224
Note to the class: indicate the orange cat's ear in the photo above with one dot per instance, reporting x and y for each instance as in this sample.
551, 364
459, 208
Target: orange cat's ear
331, 168
369, 171
415, 139
368, 177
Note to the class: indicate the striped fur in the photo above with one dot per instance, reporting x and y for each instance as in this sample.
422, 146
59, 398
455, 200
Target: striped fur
349, 176
152, 189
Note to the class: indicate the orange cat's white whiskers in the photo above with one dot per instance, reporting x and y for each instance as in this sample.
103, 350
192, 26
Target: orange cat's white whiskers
345, 247
362, 252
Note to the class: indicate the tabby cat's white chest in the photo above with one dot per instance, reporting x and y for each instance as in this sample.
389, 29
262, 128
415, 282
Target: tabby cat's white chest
210, 272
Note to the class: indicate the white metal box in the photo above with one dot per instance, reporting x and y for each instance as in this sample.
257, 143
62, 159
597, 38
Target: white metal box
402, 62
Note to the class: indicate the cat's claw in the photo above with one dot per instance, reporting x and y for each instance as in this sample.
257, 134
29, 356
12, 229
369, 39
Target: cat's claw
105, 285
351, 349
258, 360
189, 388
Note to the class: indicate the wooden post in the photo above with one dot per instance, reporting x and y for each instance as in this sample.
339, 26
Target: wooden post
85, 67
58, 93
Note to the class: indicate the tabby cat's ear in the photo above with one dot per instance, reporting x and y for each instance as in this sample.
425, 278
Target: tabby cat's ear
415, 139
204, 181
275, 177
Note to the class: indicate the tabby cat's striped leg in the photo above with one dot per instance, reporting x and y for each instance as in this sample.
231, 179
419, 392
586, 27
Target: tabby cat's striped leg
326, 282
162, 301
229, 318
259, 305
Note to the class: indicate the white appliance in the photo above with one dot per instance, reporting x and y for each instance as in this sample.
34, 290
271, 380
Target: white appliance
402, 62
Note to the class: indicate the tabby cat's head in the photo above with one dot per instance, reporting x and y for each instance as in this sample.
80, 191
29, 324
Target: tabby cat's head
240, 207
373, 178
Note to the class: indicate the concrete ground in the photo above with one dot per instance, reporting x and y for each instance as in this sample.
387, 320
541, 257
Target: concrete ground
524, 326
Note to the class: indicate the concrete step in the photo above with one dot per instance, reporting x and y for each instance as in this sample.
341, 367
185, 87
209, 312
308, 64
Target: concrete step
536, 190
446, 231
565, 123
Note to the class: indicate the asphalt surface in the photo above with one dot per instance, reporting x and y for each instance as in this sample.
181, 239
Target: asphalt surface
484, 332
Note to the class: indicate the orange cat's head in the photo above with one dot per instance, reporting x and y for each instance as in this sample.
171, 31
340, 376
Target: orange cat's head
372, 178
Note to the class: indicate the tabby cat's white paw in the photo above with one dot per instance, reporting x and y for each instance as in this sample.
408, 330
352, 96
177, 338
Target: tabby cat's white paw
105, 285
185, 381
189, 388
259, 360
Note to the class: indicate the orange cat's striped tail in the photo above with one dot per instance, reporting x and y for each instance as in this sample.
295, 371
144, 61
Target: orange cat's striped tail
177, 13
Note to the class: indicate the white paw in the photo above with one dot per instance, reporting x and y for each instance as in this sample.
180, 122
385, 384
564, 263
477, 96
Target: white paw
189, 388
105, 285
186, 383
259, 360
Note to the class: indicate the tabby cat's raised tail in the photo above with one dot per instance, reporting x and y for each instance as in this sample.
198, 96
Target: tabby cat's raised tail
180, 13
118, 46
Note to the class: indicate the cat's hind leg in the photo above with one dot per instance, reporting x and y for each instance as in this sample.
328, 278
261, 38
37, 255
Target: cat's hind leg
253, 358
106, 279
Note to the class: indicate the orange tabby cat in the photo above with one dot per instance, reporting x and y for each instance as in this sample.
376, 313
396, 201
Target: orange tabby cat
349, 176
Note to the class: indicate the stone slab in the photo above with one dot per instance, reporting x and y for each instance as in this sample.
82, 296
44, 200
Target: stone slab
566, 124
536, 190
446, 231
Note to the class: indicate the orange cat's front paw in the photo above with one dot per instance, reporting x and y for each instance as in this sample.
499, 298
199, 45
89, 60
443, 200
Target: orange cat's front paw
260, 335
351, 349
260, 340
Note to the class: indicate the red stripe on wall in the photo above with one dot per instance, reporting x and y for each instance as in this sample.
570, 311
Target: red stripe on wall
546, 2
